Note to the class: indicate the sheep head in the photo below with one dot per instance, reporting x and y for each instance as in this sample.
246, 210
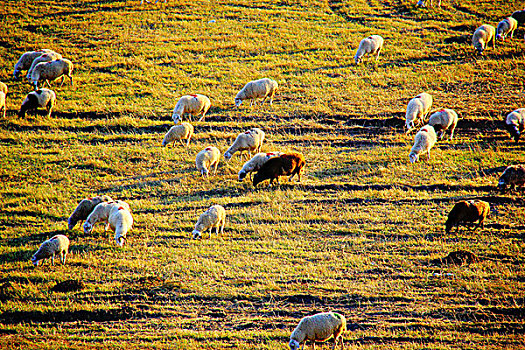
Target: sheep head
413, 157
242, 175
87, 228
35, 261
120, 240
238, 102
227, 155
294, 344
196, 234
71, 223
176, 118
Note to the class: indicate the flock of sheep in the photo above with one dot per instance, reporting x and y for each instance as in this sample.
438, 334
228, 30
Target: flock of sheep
46, 65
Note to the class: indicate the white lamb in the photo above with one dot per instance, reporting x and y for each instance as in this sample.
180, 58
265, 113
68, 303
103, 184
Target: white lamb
250, 141
515, 123
372, 45
191, 104
318, 327
58, 244
207, 159
215, 216
45, 57
256, 162
444, 120
25, 61
120, 221
506, 27
3, 94
482, 37
49, 71
262, 88
417, 110
425, 139
101, 213
43, 98
180, 132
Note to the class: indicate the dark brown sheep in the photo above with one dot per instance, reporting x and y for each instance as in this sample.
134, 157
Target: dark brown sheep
286, 164
467, 212
513, 176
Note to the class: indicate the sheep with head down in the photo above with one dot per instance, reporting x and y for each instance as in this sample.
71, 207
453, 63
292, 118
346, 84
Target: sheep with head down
183, 131
84, 208
214, 216
291, 163
371, 45
45, 57
424, 140
101, 213
25, 61
515, 123
483, 36
262, 88
120, 221
250, 141
467, 212
512, 177
191, 104
417, 110
256, 162
208, 159
43, 98
319, 327
50, 71
3, 94
56, 245
506, 27
443, 121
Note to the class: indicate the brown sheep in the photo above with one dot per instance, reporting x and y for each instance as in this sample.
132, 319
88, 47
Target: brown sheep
286, 164
514, 175
467, 212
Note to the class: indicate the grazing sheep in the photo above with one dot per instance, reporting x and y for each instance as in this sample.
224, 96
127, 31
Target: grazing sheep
45, 57
519, 16
444, 120
256, 162
417, 110
58, 244
3, 94
372, 45
101, 214
262, 88
422, 3
250, 141
183, 131
44, 98
318, 327
84, 208
467, 212
25, 61
513, 176
207, 159
506, 27
423, 142
120, 221
3, 88
515, 123
191, 104
287, 164
46, 71
482, 37
215, 216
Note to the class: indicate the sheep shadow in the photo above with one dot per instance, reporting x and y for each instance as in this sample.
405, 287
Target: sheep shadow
36, 237
19, 255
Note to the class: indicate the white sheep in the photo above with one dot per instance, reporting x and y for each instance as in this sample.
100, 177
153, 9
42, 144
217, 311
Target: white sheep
43, 98
183, 131
84, 208
45, 57
506, 27
482, 37
215, 216
515, 123
262, 88
25, 61
49, 71
101, 213
250, 141
417, 110
444, 120
191, 104
318, 327
207, 159
256, 162
425, 139
3, 94
372, 45
120, 221
58, 244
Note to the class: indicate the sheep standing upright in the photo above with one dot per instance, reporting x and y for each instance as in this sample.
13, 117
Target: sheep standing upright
262, 88
417, 110
45, 57
467, 212
191, 104
483, 36
318, 327
207, 159
84, 208
58, 244
255, 163
25, 61
183, 131
287, 164
250, 141
215, 216
371, 45
425, 139
3, 94
49, 71
514, 175
43, 98
443, 121
506, 27
515, 123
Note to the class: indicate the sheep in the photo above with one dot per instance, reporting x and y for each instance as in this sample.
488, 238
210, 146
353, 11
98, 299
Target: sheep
482, 37
262, 88
508, 25
191, 104
40, 98
207, 159
372, 45
214, 216
3, 94
101, 213
423, 142
45, 57
417, 110
444, 120
467, 212
84, 208
515, 123
256, 162
25, 61
120, 221
183, 131
318, 327
513, 175
250, 141
287, 164
46, 71
58, 244
519, 16
422, 3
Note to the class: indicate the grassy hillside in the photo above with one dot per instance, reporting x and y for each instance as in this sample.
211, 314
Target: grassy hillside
355, 236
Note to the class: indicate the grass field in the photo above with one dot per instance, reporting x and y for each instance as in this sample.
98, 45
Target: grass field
355, 236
